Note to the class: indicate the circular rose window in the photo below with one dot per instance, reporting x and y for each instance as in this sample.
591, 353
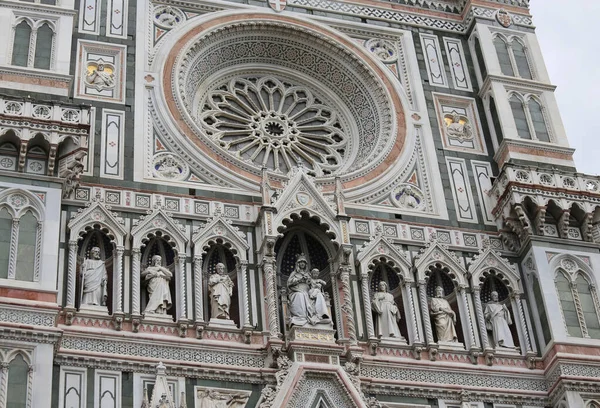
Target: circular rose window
259, 93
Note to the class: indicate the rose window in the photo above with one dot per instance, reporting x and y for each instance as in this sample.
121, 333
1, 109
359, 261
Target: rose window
275, 124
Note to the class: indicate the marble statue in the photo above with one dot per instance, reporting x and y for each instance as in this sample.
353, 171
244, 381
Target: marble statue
101, 79
157, 278
497, 320
458, 130
221, 288
387, 313
443, 317
93, 280
210, 398
304, 309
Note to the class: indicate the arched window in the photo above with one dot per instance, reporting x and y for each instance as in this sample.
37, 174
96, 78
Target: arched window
541, 310
26, 248
590, 316
18, 378
503, 56
537, 118
5, 234
567, 303
37, 55
520, 56
43, 47
20, 53
518, 109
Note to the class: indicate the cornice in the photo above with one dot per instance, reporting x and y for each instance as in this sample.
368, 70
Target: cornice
519, 83
37, 8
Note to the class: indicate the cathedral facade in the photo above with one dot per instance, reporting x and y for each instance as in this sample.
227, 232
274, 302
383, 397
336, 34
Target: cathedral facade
290, 203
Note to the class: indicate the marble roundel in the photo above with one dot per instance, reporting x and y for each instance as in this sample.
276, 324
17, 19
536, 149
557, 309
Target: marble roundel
264, 92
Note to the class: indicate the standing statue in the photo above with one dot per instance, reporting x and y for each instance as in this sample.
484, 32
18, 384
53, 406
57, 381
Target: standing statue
497, 320
93, 280
443, 316
221, 288
388, 315
159, 295
303, 309
315, 293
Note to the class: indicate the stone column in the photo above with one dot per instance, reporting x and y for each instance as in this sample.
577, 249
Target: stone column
346, 304
118, 280
481, 318
39, 237
12, 255
245, 296
29, 387
411, 313
136, 255
71, 274
198, 289
364, 282
3, 383
462, 290
268, 265
182, 287
522, 322
425, 312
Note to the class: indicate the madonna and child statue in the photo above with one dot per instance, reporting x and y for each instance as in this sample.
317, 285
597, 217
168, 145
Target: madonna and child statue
306, 301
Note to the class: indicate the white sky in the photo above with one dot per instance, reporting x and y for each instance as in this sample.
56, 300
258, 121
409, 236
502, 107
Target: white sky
568, 31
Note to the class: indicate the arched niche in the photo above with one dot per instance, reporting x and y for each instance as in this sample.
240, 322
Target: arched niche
38, 150
96, 225
307, 236
159, 244
380, 260
437, 266
218, 241
151, 234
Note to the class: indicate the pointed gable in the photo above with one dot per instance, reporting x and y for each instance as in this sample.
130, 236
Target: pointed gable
159, 220
488, 260
379, 247
220, 228
98, 213
437, 253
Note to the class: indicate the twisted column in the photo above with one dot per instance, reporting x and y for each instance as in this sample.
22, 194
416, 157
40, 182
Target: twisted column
3, 383
269, 275
198, 299
463, 295
244, 272
118, 280
481, 318
14, 242
522, 321
29, 387
38, 251
71, 274
425, 311
135, 280
413, 314
579, 309
182, 286
364, 284
347, 303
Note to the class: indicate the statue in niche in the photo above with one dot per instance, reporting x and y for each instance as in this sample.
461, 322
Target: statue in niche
93, 280
443, 317
497, 320
210, 398
408, 198
303, 308
100, 78
457, 130
388, 315
221, 288
157, 278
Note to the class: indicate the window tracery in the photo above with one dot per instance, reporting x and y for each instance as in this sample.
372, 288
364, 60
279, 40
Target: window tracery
530, 119
275, 124
512, 56
33, 43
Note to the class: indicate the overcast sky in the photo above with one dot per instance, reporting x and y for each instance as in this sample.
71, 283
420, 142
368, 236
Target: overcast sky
567, 31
